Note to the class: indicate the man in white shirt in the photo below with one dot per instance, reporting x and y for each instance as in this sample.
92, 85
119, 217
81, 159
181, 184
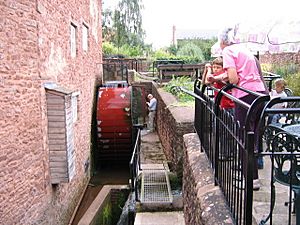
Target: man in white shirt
152, 111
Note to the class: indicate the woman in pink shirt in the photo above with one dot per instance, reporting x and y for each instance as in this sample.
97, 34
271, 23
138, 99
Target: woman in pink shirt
242, 70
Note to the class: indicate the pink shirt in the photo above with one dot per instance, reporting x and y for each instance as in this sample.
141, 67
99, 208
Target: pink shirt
238, 57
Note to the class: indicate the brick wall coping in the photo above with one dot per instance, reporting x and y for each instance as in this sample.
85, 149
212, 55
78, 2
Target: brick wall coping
213, 209
182, 114
90, 216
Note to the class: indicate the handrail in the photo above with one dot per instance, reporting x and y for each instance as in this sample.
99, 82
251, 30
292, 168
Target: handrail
135, 164
272, 75
219, 133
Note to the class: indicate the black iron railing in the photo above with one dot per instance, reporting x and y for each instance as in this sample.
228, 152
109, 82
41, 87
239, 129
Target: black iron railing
135, 165
269, 78
231, 148
281, 143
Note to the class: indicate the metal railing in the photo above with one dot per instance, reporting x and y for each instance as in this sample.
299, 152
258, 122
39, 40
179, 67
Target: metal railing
231, 148
135, 165
269, 78
282, 145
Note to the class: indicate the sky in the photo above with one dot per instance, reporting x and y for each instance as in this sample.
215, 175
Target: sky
159, 16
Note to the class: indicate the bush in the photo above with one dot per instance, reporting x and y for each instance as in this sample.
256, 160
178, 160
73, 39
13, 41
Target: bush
191, 50
289, 72
162, 54
285, 70
185, 82
204, 44
131, 51
293, 82
188, 54
109, 49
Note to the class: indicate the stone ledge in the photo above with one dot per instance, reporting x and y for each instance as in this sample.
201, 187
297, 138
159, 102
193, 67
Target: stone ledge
181, 114
90, 217
204, 202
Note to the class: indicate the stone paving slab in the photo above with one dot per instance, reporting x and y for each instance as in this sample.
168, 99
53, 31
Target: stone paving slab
159, 218
154, 166
261, 198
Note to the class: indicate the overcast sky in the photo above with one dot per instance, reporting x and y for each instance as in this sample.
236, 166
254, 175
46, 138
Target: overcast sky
159, 16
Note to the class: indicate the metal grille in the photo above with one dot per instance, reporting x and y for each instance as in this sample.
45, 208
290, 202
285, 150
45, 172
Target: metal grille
155, 187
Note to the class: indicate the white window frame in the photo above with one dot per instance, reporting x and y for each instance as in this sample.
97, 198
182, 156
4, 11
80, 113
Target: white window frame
74, 102
85, 37
73, 33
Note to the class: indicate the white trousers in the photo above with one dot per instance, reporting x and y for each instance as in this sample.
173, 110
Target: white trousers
151, 117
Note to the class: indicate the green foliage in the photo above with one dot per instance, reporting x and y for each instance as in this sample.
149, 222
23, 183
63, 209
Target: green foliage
289, 72
123, 25
204, 44
293, 82
172, 49
108, 48
131, 51
106, 216
107, 31
118, 207
175, 182
191, 50
162, 54
285, 70
183, 81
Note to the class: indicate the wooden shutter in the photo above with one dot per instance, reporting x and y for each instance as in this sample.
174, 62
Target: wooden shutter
60, 135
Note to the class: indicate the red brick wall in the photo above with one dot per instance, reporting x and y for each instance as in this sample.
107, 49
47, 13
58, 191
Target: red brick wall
173, 121
34, 50
280, 58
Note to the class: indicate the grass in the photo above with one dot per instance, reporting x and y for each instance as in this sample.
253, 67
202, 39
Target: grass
183, 98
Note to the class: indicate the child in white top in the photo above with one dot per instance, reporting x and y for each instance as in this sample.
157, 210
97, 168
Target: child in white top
278, 92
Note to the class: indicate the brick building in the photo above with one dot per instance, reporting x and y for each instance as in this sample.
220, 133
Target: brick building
50, 52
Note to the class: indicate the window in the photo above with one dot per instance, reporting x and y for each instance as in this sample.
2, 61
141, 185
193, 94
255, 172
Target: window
85, 37
73, 40
75, 106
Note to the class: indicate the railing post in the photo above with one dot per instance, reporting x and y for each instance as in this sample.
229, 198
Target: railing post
215, 129
249, 158
135, 162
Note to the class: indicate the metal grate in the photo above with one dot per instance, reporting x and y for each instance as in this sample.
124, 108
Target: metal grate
155, 187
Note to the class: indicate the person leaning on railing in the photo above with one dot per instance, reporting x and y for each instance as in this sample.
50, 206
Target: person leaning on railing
216, 69
241, 69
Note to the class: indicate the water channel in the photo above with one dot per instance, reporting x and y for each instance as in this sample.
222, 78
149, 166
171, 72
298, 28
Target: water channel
113, 174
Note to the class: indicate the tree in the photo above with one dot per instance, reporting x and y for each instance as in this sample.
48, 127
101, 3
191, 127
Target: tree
172, 49
191, 50
124, 24
107, 30
204, 44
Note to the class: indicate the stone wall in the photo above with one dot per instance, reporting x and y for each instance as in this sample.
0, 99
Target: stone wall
34, 50
173, 121
203, 202
280, 58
